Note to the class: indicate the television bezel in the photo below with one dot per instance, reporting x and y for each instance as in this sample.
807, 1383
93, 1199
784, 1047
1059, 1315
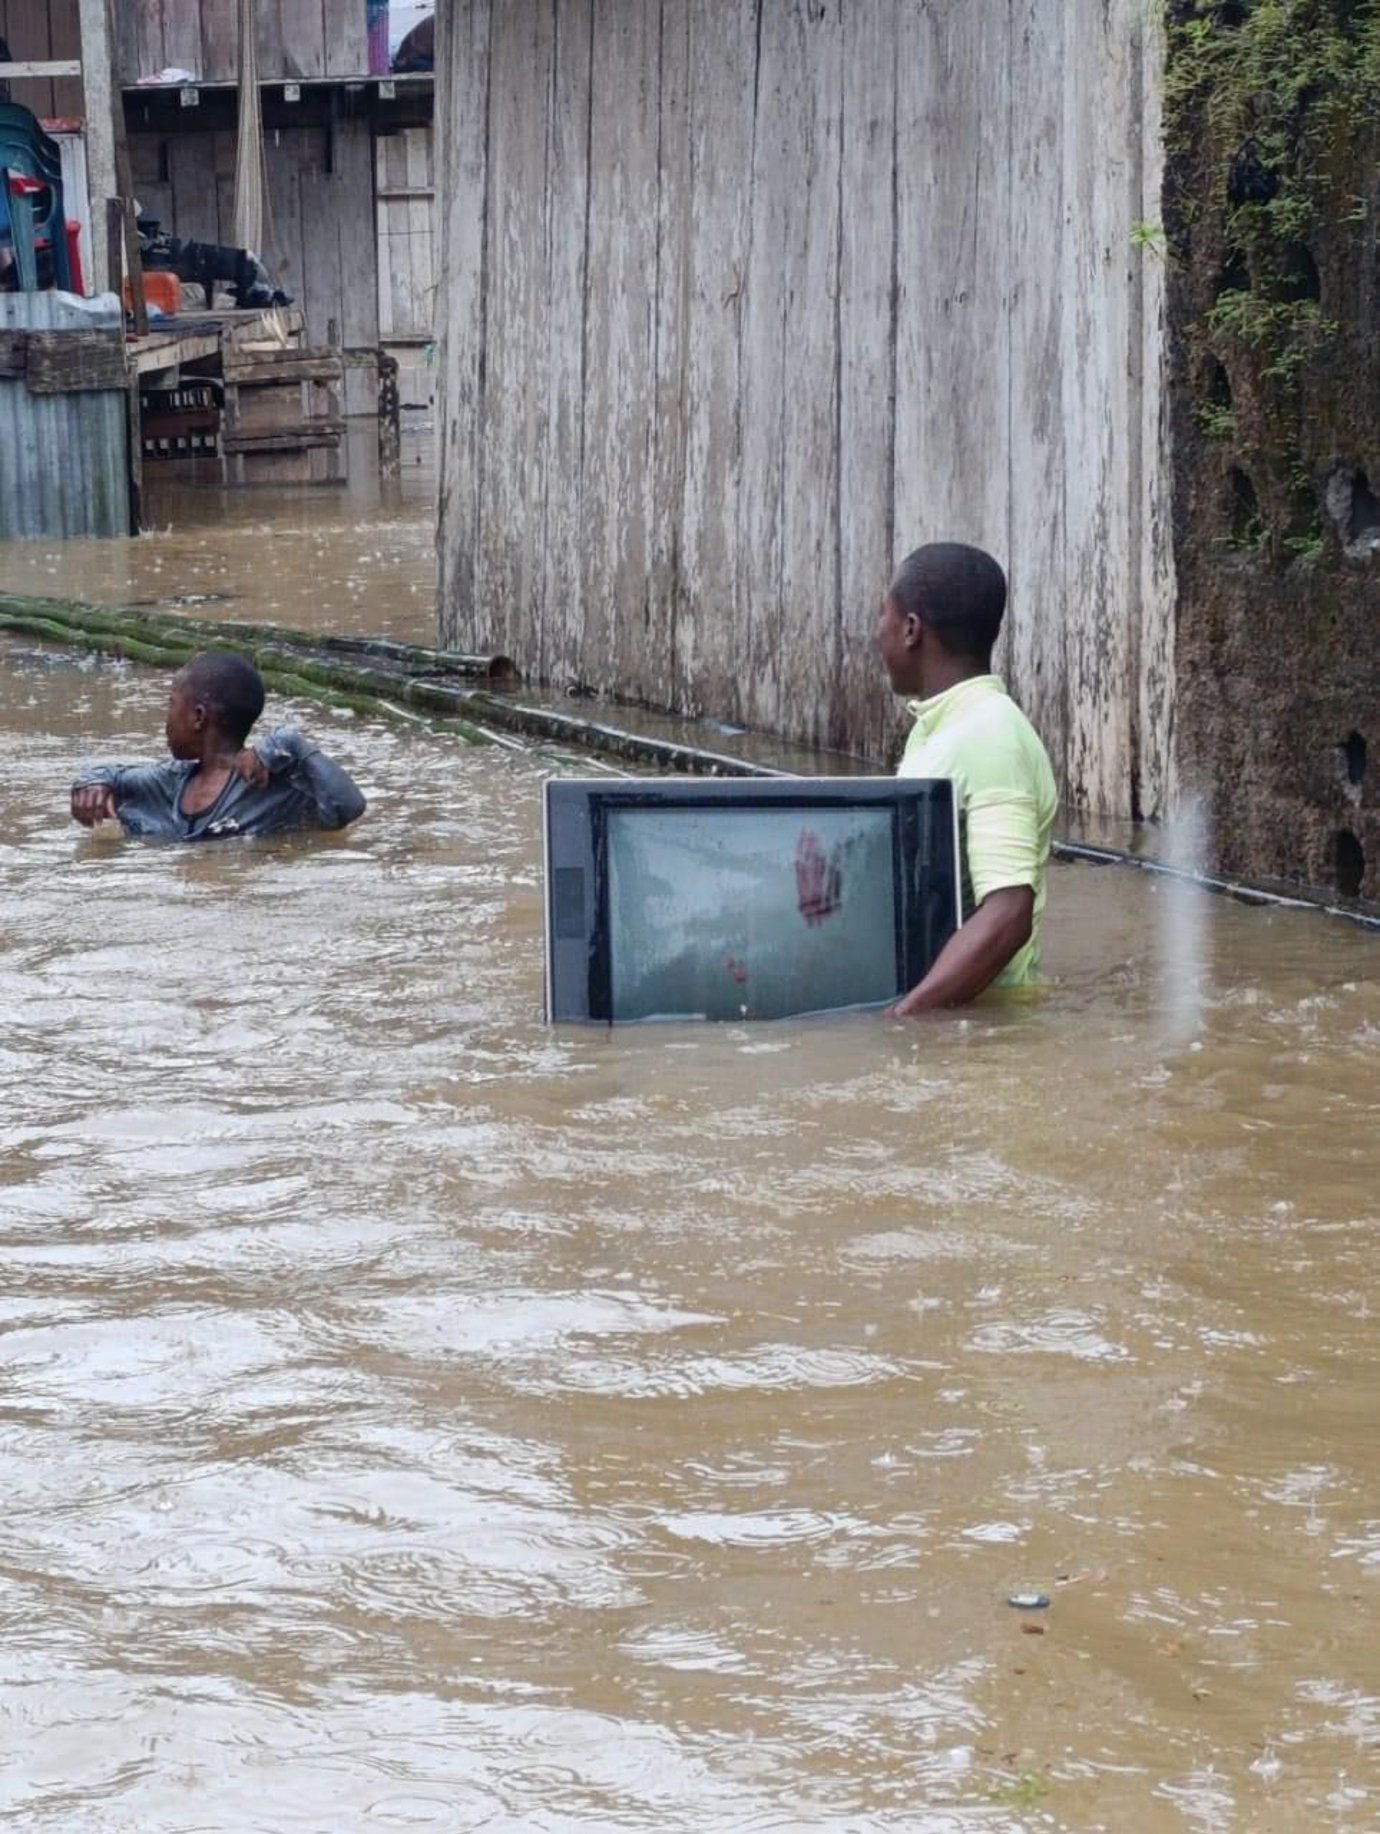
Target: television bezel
598, 795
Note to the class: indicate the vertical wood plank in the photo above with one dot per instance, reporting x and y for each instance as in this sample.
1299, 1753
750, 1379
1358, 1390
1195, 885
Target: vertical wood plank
223, 146
722, 54
385, 260
347, 37
807, 639
64, 40
150, 54
320, 232
390, 161
951, 385
29, 41
867, 434
219, 40
567, 191
1037, 612
780, 618
269, 20
666, 495
182, 47
192, 173
303, 38
145, 160
420, 211
322, 297
462, 51
509, 588
285, 150
126, 47
359, 316
619, 338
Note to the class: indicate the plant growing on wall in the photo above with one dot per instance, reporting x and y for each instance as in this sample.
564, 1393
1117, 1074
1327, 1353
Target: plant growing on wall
1272, 109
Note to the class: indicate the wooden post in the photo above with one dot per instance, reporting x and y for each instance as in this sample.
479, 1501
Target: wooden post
102, 98
390, 436
134, 265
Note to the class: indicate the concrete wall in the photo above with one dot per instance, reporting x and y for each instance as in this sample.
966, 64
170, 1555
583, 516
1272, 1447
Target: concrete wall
743, 299
1273, 210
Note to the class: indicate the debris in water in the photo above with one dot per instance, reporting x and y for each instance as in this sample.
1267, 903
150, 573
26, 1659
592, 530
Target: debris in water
1032, 1630
1029, 1601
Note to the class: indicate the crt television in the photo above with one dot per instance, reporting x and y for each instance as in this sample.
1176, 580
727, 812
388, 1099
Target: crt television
744, 898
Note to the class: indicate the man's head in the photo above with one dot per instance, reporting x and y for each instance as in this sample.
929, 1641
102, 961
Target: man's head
941, 616
215, 700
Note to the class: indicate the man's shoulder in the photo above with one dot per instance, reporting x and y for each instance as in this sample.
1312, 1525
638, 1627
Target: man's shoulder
994, 725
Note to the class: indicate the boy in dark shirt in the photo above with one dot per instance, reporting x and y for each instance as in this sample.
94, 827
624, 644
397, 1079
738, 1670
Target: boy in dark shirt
216, 784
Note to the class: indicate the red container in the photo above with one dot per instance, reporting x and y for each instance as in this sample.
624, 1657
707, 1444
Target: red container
161, 290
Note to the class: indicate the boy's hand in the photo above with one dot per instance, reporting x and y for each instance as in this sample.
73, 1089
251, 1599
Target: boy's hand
249, 765
93, 803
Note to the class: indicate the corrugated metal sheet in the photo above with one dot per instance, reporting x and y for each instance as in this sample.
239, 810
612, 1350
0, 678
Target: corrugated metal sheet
64, 459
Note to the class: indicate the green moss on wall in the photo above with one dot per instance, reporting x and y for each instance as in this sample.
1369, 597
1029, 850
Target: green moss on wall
1272, 208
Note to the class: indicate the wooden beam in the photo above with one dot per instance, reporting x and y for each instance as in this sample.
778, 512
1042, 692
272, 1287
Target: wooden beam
172, 351
299, 438
71, 362
100, 100
305, 369
53, 66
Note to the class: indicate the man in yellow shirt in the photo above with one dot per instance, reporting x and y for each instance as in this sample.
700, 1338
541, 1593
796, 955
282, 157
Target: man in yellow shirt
938, 624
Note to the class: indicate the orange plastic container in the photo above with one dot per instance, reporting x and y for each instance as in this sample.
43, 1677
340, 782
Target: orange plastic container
161, 290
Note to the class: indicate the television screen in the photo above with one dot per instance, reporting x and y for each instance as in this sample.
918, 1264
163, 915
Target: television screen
747, 898
722, 913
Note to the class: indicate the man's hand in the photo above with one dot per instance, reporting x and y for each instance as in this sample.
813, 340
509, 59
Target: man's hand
249, 765
93, 803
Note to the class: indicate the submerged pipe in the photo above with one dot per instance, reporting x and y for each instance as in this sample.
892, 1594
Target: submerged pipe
325, 670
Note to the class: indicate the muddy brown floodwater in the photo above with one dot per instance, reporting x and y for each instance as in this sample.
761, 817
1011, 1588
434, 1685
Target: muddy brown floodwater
414, 1417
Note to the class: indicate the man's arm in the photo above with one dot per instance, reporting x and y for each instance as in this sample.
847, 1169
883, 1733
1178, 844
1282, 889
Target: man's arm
1005, 858
974, 955
285, 753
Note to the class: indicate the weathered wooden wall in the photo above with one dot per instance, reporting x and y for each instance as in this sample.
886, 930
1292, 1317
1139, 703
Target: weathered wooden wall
297, 38
320, 244
407, 268
43, 31
742, 299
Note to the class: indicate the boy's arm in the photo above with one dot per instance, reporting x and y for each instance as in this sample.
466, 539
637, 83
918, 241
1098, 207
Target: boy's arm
286, 754
139, 796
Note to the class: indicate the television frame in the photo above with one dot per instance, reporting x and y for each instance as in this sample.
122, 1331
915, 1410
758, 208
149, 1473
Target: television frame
575, 814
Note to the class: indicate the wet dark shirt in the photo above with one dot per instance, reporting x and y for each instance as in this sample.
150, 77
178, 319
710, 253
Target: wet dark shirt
305, 790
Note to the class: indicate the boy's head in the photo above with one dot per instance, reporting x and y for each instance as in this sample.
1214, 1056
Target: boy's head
217, 697
946, 595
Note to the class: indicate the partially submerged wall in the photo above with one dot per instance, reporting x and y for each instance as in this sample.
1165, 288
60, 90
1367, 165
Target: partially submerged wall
745, 298
1273, 139
64, 399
